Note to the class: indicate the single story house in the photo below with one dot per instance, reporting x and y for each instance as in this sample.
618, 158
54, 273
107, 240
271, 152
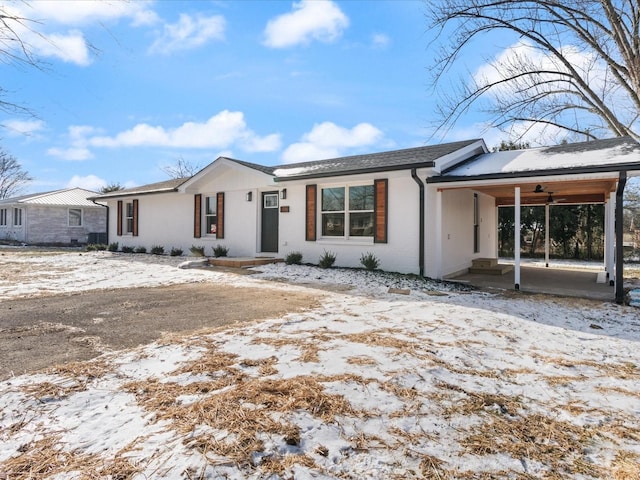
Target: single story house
427, 210
61, 217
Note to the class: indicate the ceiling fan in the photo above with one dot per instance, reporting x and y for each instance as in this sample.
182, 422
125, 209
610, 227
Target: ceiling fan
541, 189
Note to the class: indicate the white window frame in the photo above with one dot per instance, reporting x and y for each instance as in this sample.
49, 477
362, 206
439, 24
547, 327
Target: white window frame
4, 217
210, 227
17, 217
81, 211
347, 211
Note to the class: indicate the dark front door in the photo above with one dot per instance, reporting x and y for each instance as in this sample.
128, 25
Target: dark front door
270, 222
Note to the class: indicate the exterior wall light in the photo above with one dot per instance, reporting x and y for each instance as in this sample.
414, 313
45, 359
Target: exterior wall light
283, 194
249, 196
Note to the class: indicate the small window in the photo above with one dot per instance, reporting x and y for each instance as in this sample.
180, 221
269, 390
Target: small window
129, 217
3, 217
75, 217
271, 200
17, 217
211, 216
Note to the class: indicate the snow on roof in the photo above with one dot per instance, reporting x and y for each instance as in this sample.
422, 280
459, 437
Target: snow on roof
73, 197
616, 153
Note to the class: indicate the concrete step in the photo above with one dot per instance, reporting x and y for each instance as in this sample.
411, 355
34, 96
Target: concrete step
484, 262
498, 269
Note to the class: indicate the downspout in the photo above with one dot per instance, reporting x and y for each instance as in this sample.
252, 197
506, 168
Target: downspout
619, 239
414, 175
107, 225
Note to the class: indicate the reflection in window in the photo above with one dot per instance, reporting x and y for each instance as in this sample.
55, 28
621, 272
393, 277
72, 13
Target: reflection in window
75, 217
211, 215
358, 214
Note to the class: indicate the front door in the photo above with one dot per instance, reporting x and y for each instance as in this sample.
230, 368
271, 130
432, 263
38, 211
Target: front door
269, 222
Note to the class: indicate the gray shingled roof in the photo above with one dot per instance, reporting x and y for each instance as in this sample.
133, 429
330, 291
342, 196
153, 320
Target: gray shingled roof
254, 166
373, 162
159, 187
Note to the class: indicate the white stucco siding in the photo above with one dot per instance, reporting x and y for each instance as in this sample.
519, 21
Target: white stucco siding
457, 238
399, 254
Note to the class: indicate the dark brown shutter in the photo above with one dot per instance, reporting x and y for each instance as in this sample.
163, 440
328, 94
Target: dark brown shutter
197, 215
380, 199
311, 213
220, 215
135, 218
119, 219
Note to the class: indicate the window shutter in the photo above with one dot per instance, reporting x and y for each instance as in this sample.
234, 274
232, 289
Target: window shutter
220, 215
119, 219
197, 215
135, 218
311, 213
380, 200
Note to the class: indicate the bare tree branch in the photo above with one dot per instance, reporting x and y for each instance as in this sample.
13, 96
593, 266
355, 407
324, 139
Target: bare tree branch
12, 177
580, 55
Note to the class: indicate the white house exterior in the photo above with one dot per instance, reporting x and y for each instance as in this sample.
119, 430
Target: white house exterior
61, 217
253, 210
427, 210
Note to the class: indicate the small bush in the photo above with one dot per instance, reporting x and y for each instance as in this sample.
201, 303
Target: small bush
369, 261
101, 247
197, 251
175, 252
327, 259
91, 247
113, 247
127, 249
293, 258
140, 249
220, 251
157, 250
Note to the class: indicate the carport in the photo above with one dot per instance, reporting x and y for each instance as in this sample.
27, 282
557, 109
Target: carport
581, 173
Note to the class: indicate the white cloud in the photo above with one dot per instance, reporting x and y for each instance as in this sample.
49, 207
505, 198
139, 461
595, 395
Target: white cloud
188, 33
73, 154
309, 20
380, 40
44, 37
328, 140
23, 127
89, 182
220, 131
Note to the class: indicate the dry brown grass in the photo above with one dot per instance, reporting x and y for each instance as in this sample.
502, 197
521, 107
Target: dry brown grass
88, 370
626, 466
47, 458
54, 391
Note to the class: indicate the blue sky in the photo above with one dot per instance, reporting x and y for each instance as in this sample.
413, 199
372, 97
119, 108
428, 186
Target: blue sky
129, 88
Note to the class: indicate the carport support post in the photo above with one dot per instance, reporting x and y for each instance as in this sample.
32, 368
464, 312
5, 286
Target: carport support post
546, 234
516, 239
609, 237
619, 239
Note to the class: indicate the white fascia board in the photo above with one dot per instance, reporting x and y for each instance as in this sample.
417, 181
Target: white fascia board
460, 156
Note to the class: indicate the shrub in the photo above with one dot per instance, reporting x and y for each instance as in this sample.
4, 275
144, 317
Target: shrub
127, 249
220, 251
113, 247
101, 247
327, 259
197, 251
293, 258
369, 261
91, 247
175, 252
140, 249
157, 250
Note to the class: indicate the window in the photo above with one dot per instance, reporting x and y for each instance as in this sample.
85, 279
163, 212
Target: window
17, 217
3, 217
129, 218
347, 206
75, 217
211, 216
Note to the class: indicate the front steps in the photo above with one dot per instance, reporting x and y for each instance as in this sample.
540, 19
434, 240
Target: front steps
489, 266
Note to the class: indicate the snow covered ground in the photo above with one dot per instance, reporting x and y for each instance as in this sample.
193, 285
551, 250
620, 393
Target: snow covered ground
391, 377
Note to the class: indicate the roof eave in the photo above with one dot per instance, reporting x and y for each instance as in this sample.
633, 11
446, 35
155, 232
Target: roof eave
536, 173
360, 171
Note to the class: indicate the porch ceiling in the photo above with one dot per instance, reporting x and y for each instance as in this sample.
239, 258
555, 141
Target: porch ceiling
537, 193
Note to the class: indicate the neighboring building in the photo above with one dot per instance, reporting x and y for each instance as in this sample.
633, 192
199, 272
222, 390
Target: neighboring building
61, 217
427, 210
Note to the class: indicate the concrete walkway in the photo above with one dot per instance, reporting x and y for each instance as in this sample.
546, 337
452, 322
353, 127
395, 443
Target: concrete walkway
553, 280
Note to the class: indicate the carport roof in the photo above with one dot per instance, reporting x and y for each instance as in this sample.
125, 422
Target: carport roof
610, 155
